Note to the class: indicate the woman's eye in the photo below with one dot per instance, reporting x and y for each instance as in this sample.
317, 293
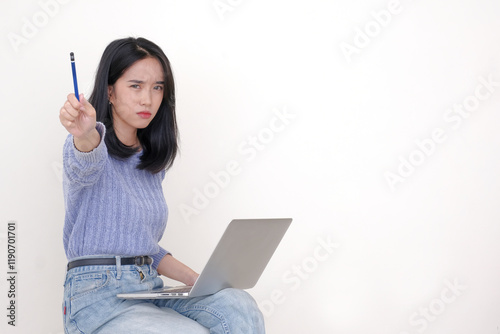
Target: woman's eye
158, 87
135, 86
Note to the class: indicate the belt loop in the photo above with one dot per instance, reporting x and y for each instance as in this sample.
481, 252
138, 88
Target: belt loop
118, 267
151, 267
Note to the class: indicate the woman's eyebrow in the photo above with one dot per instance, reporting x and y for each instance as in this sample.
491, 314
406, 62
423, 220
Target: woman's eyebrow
140, 81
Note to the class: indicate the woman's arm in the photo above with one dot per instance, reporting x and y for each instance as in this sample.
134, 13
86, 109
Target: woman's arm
176, 270
84, 151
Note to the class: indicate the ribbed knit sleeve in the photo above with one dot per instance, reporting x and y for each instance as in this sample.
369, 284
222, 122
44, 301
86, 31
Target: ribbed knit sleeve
85, 168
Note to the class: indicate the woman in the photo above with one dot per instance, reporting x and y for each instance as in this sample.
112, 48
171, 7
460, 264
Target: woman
120, 144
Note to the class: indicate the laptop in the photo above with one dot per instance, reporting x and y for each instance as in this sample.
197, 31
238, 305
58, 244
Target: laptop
238, 260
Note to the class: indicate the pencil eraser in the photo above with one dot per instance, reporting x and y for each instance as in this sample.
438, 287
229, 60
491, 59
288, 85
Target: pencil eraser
72, 55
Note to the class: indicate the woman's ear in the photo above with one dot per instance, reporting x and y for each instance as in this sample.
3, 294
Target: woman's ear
110, 91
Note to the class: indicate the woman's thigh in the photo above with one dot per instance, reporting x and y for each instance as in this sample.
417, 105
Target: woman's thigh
149, 318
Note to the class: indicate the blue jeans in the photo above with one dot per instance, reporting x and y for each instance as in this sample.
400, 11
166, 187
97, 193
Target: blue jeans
90, 305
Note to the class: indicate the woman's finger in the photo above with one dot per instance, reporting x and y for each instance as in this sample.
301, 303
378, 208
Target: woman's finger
69, 115
70, 110
67, 123
74, 101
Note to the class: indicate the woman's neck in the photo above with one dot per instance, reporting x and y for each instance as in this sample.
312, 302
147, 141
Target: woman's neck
128, 138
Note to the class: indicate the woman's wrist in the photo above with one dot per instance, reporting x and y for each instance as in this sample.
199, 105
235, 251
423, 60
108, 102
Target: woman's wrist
191, 278
87, 143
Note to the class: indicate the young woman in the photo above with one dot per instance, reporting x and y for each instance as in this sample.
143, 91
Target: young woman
120, 144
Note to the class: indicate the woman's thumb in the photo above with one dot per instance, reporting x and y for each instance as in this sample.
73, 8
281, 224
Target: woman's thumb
86, 106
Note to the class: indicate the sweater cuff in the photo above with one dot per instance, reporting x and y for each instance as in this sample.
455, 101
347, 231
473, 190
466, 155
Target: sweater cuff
98, 153
158, 256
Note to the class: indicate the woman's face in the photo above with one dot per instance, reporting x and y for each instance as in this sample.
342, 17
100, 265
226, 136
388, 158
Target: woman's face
137, 95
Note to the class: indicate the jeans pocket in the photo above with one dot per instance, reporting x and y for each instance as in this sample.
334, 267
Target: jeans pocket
88, 283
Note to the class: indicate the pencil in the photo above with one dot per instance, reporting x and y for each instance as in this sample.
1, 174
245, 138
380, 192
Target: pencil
73, 68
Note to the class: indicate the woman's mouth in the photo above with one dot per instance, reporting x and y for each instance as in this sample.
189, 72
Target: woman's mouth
144, 114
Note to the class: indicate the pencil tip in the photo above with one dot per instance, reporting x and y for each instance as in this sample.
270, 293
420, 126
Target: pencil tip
72, 55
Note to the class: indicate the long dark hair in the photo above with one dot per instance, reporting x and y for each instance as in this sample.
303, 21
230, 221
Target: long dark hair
159, 138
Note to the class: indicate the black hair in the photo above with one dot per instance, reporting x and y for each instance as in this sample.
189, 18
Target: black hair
159, 139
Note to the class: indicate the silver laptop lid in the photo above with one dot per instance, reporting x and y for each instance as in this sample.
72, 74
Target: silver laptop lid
241, 255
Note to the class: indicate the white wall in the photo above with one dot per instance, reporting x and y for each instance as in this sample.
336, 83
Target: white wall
355, 105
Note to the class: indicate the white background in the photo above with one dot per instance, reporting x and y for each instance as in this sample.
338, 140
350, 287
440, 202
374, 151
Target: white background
351, 120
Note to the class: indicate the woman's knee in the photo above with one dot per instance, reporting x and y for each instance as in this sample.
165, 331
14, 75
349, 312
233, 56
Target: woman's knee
242, 302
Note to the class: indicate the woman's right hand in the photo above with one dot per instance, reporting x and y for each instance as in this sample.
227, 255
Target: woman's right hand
79, 118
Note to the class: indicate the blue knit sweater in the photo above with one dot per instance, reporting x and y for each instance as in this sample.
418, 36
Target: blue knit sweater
112, 208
